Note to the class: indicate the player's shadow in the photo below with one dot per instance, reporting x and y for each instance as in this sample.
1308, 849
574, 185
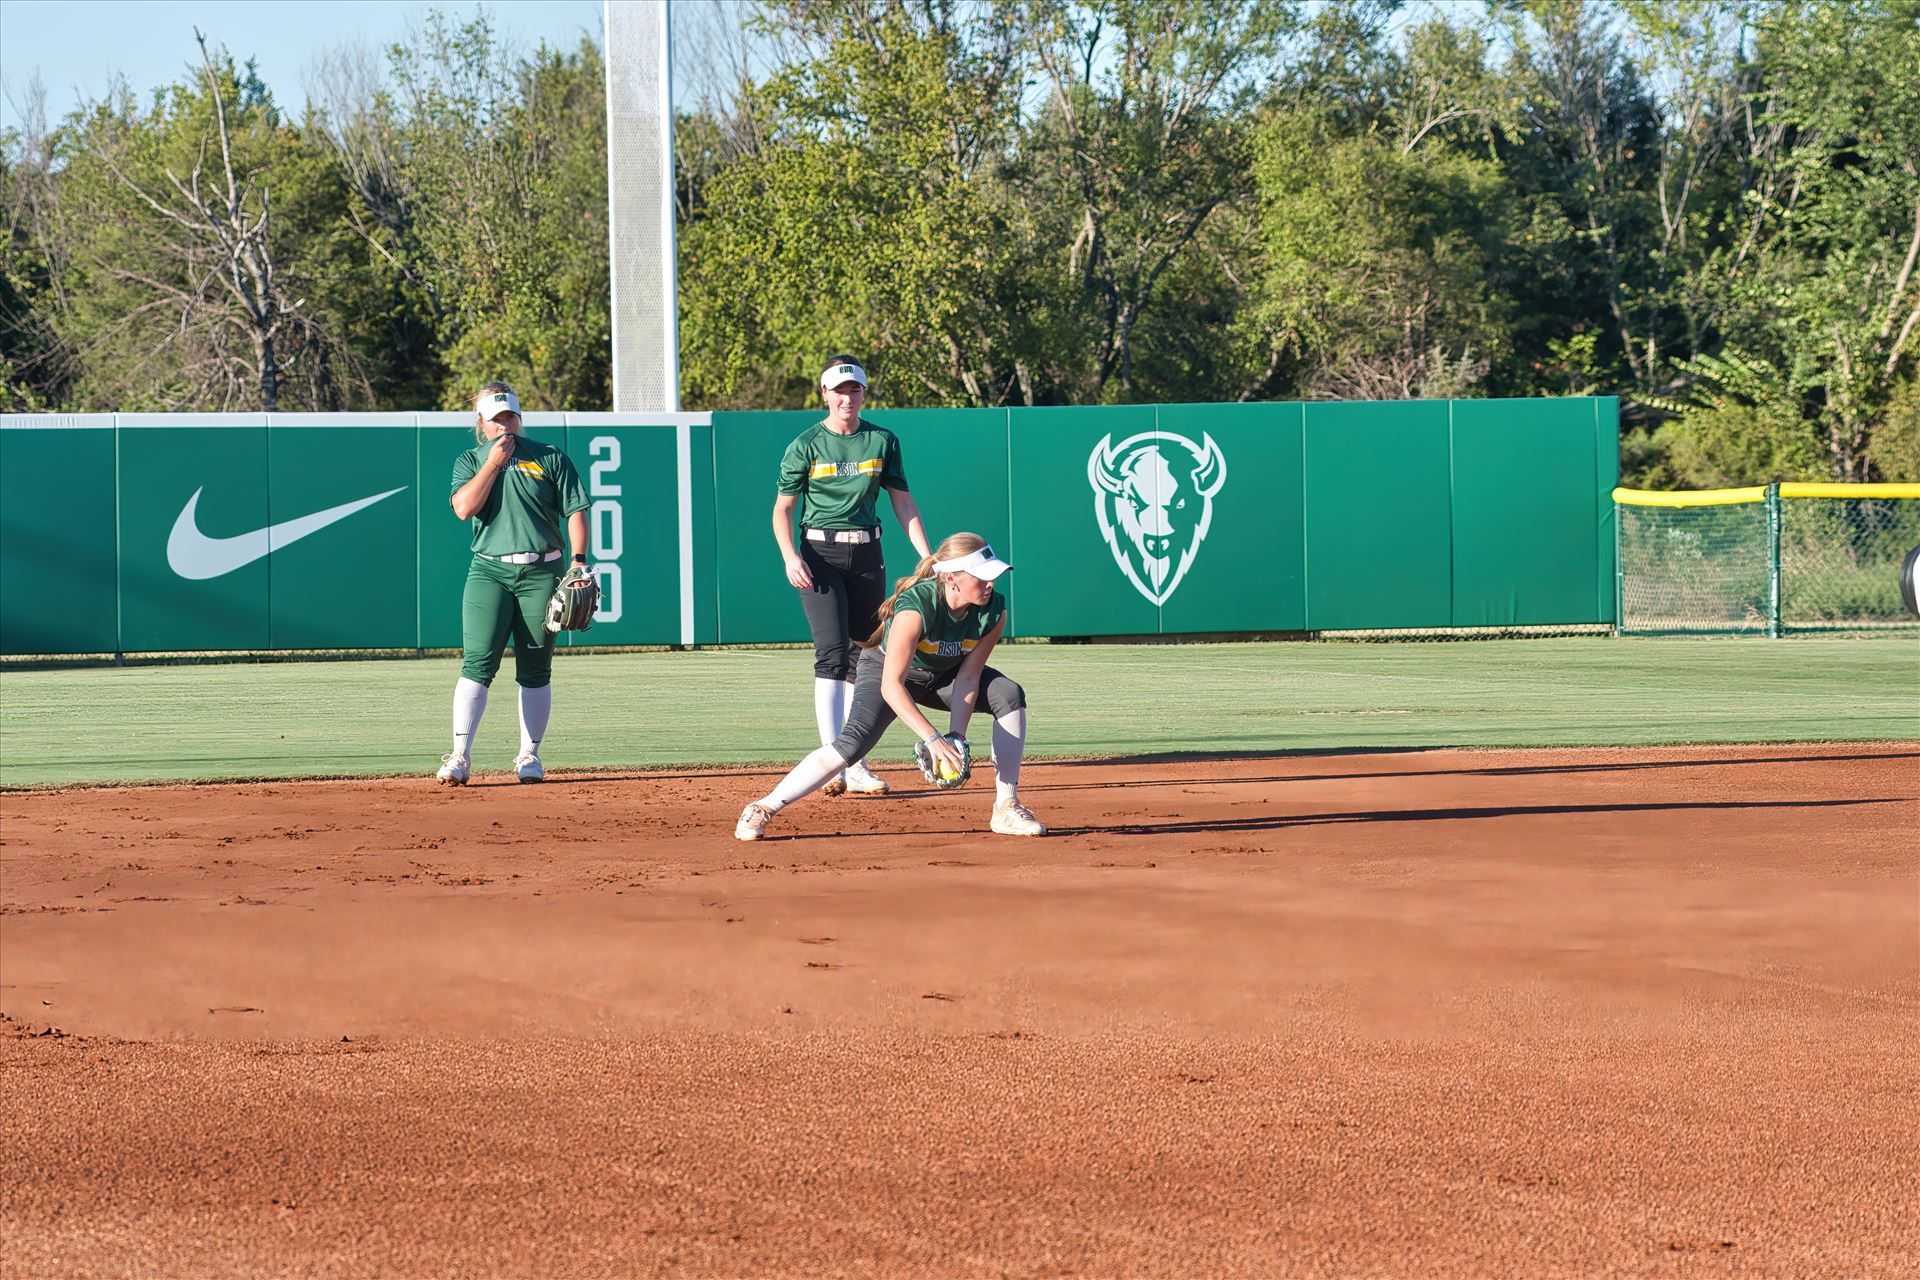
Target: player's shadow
1497, 771
1281, 822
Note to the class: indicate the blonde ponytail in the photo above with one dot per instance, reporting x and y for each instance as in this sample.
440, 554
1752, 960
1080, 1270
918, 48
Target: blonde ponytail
956, 545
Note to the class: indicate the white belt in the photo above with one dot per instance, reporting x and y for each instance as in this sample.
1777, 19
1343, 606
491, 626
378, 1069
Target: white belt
856, 536
521, 557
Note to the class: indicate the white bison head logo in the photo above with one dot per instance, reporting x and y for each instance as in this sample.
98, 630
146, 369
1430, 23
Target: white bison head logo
1153, 495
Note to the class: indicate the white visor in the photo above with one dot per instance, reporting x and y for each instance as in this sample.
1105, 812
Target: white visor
982, 564
495, 403
835, 374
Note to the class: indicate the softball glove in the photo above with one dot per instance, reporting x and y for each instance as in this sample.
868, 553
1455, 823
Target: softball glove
574, 601
933, 771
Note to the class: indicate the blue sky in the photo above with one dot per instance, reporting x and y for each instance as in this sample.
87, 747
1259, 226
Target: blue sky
78, 45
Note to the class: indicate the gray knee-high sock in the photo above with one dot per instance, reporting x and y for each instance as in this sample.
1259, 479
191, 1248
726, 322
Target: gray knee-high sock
846, 707
1009, 743
806, 778
469, 704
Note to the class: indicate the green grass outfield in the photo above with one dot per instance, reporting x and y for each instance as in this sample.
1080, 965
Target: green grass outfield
279, 719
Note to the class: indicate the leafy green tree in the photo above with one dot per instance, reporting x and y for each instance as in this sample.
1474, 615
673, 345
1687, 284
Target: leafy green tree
197, 241
1582, 156
502, 190
1377, 263
33, 374
1819, 283
1894, 449
870, 216
395, 326
1142, 141
1710, 207
1383, 222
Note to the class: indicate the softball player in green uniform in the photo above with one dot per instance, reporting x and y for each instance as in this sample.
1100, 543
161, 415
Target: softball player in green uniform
517, 493
833, 473
936, 633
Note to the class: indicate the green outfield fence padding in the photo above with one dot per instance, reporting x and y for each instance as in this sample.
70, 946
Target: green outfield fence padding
1532, 515
58, 490
208, 532
1250, 572
1379, 516
633, 528
195, 532
1070, 582
956, 466
331, 592
753, 602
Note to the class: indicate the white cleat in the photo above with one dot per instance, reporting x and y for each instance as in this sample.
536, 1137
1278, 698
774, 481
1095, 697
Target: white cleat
454, 770
753, 822
528, 767
1011, 818
862, 781
836, 785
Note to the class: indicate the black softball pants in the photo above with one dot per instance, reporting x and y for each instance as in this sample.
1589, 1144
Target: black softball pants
869, 716
842, 606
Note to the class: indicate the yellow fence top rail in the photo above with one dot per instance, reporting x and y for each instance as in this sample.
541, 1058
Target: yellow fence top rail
1758, 493
1793, 490
1697, 498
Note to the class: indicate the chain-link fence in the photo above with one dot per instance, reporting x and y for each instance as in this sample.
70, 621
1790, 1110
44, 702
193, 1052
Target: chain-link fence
1769, 560
1840, 561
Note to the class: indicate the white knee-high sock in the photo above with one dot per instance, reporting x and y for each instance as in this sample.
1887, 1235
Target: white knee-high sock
830, 698
469, 704
1009, 742
806, 778
536, 708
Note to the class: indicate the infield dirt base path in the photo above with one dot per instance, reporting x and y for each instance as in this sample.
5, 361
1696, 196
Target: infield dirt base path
1625, 1012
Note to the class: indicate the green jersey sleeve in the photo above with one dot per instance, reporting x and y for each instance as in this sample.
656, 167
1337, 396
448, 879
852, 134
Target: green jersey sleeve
466, 467
566, 480
916, 600
795, 466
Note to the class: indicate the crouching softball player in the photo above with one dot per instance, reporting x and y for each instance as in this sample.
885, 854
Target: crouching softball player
935, 635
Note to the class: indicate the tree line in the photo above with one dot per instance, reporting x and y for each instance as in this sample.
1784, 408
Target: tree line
1710, 208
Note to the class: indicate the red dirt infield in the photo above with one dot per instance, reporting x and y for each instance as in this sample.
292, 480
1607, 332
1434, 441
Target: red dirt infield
1442, 1013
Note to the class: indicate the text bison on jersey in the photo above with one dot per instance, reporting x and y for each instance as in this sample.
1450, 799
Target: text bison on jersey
1153, 494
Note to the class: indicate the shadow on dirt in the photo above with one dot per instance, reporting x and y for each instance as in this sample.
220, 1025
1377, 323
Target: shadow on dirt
1503, 771
1280, 822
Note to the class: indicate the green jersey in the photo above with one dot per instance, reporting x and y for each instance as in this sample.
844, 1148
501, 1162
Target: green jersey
841, 476
529, 502
946, 637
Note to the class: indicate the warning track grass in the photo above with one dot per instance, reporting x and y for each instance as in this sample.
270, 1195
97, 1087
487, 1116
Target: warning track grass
756, 707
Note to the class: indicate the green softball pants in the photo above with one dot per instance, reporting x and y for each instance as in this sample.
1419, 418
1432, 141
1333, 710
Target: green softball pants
503, 600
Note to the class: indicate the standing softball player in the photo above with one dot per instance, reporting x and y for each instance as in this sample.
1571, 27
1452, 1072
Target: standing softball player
935, 634
517, 493
833, 472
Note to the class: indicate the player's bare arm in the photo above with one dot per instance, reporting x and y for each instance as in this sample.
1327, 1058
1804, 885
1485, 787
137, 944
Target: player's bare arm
797, 572
907, 512
471, 496
903, 635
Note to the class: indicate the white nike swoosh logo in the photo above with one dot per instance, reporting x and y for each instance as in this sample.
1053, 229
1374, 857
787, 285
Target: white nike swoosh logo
192, 554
